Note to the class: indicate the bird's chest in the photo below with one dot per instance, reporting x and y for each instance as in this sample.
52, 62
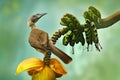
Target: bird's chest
38, 37
35, 36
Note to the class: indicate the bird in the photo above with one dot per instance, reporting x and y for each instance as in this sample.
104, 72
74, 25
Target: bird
39, 40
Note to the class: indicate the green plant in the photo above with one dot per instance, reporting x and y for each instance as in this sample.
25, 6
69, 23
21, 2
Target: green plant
73, 32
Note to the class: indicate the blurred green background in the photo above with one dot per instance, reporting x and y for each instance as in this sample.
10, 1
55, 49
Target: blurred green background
14, 32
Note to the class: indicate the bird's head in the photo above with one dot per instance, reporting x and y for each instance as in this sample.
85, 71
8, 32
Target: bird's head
33, 19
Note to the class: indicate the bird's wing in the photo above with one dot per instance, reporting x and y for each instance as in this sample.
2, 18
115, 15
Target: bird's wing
59, 53
43, 38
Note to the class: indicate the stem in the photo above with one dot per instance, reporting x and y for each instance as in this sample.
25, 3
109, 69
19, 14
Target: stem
110, 20
47, 57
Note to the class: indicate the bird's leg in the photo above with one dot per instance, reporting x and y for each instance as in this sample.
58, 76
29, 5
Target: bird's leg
47, 57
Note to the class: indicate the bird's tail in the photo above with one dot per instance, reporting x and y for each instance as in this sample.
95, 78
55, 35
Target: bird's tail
59, 53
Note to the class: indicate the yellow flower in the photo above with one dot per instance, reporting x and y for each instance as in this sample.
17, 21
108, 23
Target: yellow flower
40, 71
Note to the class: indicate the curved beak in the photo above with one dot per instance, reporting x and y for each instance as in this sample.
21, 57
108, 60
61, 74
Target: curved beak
40, 15
36, 17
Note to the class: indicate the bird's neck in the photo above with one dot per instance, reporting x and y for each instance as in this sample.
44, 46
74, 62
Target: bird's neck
33, 26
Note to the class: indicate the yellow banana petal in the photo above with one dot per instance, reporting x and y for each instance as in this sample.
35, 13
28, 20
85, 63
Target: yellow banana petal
34, 70
56, 66
30, 64
45, 74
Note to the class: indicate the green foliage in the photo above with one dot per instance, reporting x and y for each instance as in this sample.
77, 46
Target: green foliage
93, 15
74, 30
92, 18
58, 34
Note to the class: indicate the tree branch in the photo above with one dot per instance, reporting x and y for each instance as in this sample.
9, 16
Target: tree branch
110, 20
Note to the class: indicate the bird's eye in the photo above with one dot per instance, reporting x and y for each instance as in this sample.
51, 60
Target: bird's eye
34, 18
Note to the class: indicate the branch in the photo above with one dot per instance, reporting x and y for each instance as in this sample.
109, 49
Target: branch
110, 20
73, 32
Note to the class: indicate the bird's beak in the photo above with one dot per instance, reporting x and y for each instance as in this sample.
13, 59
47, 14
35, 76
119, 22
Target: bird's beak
35, 18
40, 15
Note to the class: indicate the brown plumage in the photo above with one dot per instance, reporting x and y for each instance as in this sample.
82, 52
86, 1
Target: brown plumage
39, 40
